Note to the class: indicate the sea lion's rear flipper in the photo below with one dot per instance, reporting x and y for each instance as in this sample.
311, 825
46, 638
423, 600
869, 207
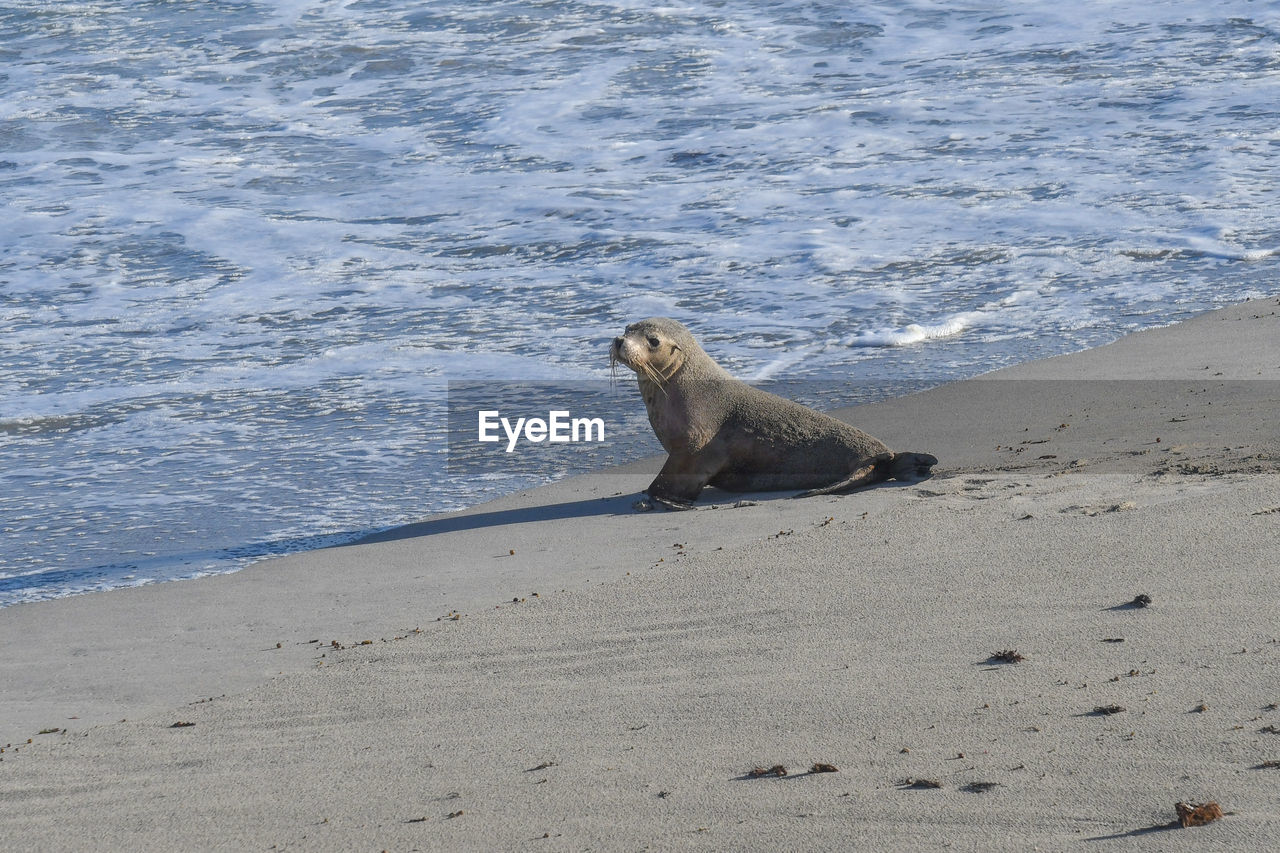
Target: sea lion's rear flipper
873, 471
912, 466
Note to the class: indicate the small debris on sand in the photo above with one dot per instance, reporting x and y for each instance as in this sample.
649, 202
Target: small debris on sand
824, 768
1006, 656
1195, 814
760, 772
1107, 710
1141, 600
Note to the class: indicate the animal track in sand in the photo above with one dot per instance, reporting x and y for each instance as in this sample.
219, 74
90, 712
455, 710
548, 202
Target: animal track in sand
1098, 509
919, 784
980, 787
974, 489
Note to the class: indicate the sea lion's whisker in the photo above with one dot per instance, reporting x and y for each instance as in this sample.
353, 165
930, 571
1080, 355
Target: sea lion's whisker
656, 378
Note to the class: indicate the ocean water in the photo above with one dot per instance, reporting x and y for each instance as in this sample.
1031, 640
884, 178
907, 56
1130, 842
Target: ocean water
247, 246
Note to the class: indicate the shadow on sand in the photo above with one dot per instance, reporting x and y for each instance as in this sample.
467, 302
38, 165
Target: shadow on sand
618, 505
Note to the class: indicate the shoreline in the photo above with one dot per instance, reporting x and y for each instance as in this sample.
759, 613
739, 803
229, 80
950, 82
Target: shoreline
1149, 465
215, 556
187, 565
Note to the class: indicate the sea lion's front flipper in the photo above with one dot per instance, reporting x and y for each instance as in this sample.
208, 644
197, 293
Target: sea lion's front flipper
683, 477
672, 503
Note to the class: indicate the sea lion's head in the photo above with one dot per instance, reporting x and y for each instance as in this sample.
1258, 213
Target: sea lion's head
656, 349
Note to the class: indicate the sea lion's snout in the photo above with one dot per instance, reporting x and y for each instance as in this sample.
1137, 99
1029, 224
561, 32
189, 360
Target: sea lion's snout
617, 353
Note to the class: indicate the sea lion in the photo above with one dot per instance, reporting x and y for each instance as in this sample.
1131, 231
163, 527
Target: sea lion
721, 432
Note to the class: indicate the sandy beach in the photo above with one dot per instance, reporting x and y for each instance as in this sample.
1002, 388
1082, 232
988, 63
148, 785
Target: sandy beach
554, 671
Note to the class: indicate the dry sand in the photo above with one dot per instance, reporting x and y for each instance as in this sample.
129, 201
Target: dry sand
650, 661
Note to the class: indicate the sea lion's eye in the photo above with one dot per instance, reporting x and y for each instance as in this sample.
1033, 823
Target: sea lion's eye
653, 342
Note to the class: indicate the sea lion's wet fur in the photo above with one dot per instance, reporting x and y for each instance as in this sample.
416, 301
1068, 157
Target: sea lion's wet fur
721, 432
